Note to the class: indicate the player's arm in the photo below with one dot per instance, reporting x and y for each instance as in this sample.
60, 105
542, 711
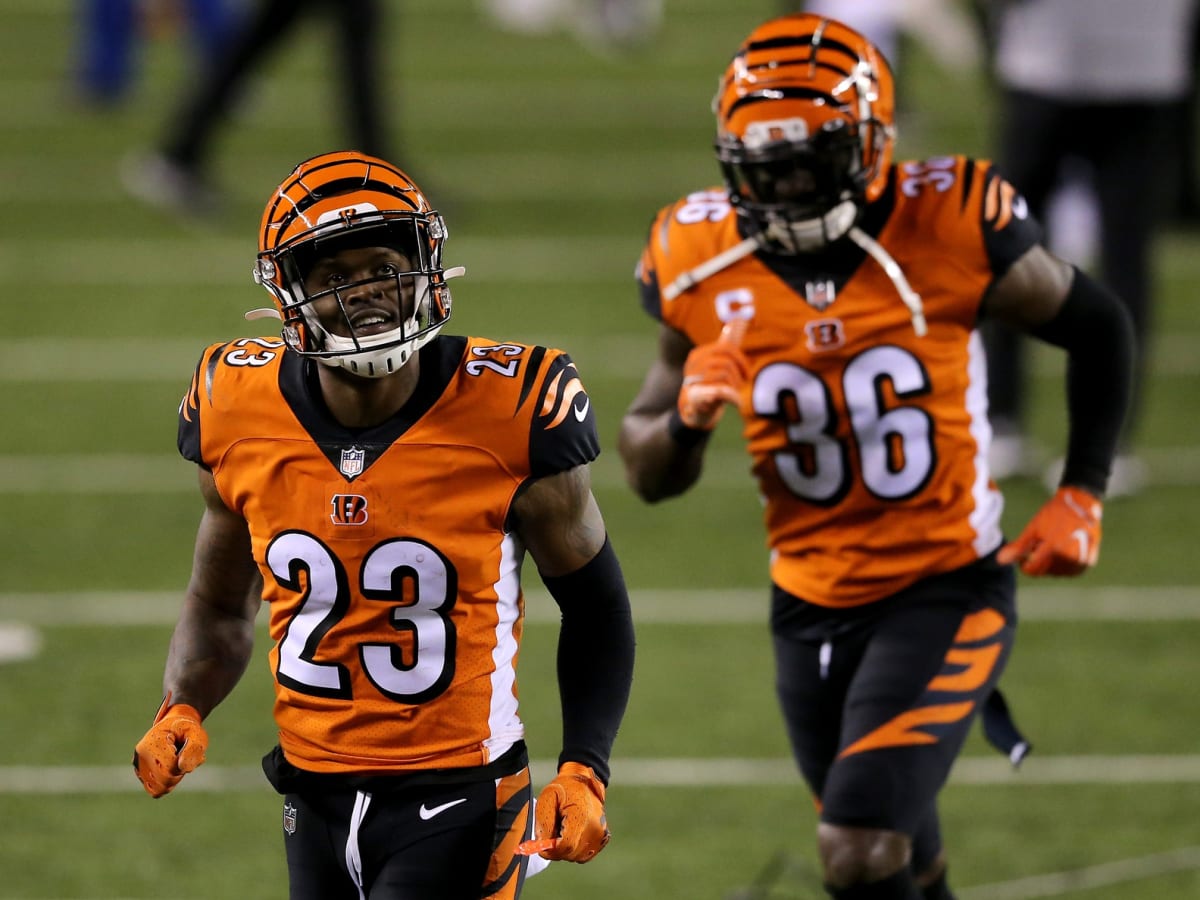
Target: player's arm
560, 524
210, 647
666, 429
1057, 303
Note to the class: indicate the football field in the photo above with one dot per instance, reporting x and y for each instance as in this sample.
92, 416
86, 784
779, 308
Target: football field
548, 160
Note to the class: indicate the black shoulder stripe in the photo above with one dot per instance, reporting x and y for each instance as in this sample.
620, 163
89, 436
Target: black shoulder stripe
210, 370
532, 365
968, 181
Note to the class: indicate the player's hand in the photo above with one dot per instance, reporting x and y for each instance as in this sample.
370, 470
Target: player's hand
569, 818
1063, 538
713, 374
174, 745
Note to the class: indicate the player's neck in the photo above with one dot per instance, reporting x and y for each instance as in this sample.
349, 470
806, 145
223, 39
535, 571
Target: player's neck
357, 402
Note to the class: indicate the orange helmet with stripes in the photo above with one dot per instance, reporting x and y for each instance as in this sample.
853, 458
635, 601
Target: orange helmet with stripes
805, 129
345, 201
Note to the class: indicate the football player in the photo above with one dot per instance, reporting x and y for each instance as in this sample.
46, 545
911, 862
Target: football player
832, 295
378, 484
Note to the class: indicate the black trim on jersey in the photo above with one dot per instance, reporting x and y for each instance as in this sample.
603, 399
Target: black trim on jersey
439, 360
188, 436
1006, 245
967, 181
210, 371
651, 297
647, 278
837, 262
566, 435
530, 377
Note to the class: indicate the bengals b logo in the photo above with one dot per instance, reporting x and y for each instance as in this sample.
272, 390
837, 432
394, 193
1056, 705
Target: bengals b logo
349, 509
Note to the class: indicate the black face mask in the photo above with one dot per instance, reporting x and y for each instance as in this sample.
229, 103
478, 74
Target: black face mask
796, 179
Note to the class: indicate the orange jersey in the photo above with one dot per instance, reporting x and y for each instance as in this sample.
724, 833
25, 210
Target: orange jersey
868, 441
391, 573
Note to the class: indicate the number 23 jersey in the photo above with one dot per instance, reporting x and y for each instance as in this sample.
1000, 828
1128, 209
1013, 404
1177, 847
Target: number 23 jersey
388, 562
868, 441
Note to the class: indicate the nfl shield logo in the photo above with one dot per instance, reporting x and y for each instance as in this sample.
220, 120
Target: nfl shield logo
289, 818
820, 294
352, 461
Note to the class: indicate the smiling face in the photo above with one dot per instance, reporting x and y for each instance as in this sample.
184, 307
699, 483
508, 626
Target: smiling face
361, 292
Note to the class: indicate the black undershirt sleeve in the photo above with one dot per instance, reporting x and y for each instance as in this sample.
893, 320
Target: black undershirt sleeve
595, 658
1095, 329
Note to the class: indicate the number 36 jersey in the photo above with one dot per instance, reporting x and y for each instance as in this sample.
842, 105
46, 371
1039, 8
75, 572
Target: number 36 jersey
869, 441
389, 565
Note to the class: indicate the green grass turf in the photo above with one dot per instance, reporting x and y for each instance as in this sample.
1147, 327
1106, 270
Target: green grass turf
548, 163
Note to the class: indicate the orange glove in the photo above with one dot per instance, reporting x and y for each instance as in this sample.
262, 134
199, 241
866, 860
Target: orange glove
712, 376
1063, 538
174, 745
570, 822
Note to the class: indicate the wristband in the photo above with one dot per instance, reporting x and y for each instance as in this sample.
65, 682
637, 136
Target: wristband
683, 434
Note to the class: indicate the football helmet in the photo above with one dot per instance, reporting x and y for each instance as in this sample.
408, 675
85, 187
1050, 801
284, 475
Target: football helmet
805, 129
344, 201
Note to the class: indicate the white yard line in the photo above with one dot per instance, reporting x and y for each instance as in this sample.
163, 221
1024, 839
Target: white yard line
655, 773
133, 359
1059, 884
168, 473
1112, 603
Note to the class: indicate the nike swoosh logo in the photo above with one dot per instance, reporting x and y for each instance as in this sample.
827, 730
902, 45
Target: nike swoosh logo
581, 414
428, 813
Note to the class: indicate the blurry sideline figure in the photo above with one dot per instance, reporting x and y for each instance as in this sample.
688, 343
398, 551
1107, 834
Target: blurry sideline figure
1093, 86
175, 175
110, 34
832, 296
378, 484
605, 26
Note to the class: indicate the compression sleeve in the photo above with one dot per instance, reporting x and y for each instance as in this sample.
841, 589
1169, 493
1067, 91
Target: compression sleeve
595, 658
1095, 329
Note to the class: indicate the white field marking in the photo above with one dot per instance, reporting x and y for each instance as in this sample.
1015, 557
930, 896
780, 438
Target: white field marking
735, 606
18, 641
171, 262
164, 473
492, 176
1058, 884
624, 356
661, 773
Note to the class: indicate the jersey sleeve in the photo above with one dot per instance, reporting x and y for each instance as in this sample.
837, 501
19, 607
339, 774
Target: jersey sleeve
646, 271
1008, 226
188, 439
563, 431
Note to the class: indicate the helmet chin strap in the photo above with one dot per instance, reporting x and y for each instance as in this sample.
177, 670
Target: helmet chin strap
911, 298
810, 235
378, 355
813, 234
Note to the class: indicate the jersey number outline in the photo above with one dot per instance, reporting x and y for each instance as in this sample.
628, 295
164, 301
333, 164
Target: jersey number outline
895, 444
240, 357
393, 570
508, 367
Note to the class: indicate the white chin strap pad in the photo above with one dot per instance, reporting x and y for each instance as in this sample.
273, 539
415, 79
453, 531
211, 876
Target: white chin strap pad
812, 234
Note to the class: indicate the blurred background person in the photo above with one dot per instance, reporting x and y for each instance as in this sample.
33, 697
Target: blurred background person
107, 44
943, 27
1090, 87
602, 25
175, 175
